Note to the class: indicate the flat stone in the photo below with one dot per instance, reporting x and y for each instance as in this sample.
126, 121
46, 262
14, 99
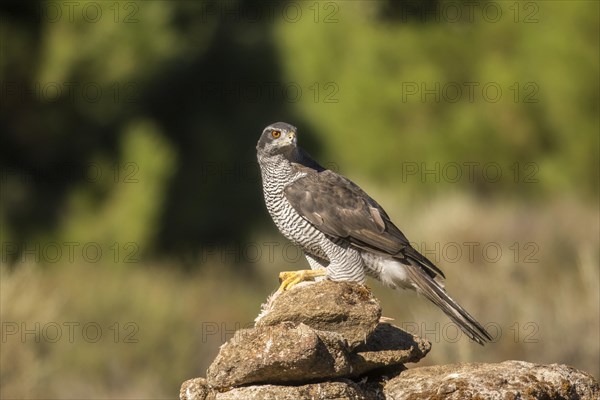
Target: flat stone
388, 346
284, 353
344, 307
292, 360
507, 380
195, 389
339, 390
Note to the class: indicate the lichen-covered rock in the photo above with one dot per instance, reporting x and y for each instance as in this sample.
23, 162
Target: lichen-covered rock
296, 353
506, 380
388, 346
344, 307
343, 389
287, 352
325, 341
339, 390
196, 389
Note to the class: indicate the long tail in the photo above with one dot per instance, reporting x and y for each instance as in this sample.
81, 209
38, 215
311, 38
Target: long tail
427, 286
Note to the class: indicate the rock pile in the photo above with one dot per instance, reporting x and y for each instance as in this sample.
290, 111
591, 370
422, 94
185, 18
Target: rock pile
325, 341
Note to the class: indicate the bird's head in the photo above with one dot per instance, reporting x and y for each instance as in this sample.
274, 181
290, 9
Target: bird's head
277, 138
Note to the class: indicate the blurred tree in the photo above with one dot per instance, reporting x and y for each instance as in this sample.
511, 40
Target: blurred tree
512, 87
205, 80
377, 80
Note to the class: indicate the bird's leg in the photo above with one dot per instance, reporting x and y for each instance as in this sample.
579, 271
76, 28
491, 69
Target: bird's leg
292, 278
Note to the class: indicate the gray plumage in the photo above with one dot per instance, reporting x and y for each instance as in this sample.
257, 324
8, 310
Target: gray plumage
341, 228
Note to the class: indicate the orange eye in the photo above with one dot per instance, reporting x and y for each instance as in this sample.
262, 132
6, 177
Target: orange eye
276, 134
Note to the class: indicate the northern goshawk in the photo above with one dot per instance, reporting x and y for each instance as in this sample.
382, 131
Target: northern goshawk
344, 234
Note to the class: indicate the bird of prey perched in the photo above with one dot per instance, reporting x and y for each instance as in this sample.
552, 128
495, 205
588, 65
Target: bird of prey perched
344, 233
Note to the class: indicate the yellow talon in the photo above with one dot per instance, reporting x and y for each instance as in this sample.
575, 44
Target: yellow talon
292, 278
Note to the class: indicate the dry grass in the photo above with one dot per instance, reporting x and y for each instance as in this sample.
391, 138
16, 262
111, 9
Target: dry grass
541, 304
545, 311
159, 327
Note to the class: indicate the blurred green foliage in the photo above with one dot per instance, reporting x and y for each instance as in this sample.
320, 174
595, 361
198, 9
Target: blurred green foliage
506, 92
131, 126
384, 87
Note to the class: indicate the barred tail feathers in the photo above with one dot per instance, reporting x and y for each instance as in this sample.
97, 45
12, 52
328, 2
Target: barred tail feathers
414, 276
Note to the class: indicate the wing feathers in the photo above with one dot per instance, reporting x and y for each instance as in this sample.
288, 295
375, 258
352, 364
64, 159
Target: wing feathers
341, 209
377, 218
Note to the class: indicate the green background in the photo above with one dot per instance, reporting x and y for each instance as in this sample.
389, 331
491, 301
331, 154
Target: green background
134, 235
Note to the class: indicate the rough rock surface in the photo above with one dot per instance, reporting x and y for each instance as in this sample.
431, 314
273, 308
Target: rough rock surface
343, 389
287, 352
506, 380
295, 353
195, 389
344, 339
325, 341
388, 346
343, 307
198, 389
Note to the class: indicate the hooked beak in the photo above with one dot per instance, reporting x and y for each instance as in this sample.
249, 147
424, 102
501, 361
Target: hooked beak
291, 137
